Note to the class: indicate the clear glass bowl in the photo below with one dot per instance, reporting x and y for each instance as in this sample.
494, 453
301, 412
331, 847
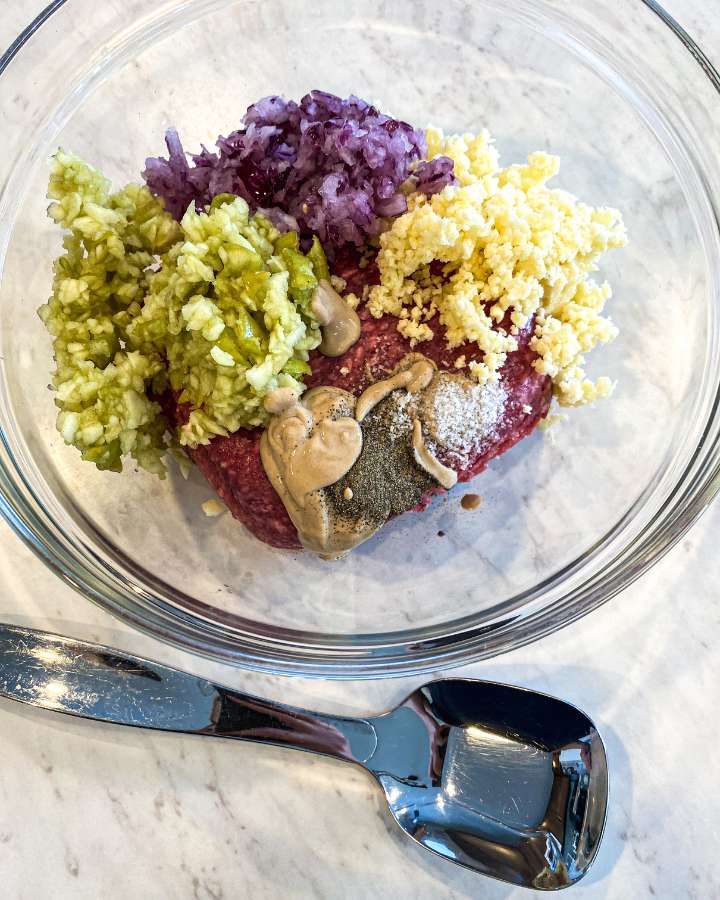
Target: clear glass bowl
568, 519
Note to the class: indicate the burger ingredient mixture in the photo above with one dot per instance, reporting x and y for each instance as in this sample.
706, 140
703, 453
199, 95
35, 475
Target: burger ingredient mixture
322, 395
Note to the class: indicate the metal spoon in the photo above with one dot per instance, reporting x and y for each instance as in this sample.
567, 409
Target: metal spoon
503, 780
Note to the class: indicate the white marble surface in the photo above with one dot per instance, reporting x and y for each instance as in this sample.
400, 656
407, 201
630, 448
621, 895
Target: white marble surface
89, 811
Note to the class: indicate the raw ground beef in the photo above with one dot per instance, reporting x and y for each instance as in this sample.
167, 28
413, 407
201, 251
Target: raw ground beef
233, 467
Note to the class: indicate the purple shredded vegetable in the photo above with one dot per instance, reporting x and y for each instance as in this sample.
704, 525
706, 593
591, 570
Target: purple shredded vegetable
434, 175
327, 166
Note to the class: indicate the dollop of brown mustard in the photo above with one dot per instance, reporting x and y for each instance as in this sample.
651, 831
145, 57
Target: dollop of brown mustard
309, 445
344, 466
414, 372
339, 323
444, 475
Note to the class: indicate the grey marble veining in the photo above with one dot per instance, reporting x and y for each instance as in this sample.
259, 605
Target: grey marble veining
89, 811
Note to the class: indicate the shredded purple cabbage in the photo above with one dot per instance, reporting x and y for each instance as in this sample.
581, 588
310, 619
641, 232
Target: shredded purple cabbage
327, 166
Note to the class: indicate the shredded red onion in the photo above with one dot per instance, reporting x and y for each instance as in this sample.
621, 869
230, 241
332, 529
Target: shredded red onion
327, 166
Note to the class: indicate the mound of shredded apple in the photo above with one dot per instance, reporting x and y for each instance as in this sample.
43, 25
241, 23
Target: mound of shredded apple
334, 316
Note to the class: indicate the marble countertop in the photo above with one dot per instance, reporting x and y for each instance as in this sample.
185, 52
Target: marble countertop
90, 811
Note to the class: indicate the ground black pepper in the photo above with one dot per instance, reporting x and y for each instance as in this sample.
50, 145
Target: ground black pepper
385, 481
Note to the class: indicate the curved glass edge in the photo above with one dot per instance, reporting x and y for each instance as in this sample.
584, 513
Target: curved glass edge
398, 659
690, 43
28, 32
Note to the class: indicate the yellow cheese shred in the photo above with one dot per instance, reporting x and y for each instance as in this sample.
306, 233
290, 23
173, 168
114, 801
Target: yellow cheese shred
513, 249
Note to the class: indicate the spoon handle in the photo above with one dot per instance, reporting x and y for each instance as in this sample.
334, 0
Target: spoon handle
95, 682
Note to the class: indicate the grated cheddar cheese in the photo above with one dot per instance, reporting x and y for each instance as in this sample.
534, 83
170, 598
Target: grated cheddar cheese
513, 249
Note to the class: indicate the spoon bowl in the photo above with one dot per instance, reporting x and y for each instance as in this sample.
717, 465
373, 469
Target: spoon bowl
506, 781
